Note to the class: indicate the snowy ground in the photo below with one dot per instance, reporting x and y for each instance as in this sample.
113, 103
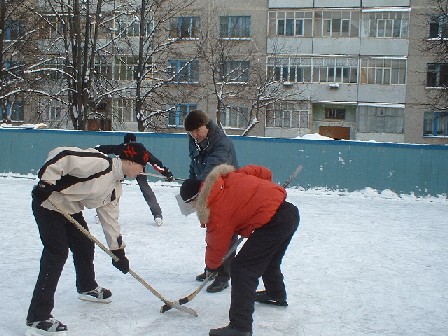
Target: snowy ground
360, 264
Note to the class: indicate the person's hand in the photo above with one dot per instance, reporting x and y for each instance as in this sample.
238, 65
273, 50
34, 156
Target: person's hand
169, 175
42, 191
123, 263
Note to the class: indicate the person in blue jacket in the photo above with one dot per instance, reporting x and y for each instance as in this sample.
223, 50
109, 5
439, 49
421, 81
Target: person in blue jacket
209, 147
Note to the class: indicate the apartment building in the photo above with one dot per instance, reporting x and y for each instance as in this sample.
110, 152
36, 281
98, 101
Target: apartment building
347, 69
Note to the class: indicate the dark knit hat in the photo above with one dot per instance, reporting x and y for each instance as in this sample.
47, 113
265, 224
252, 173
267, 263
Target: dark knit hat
195, 119
135, 152
190, 189
129, 137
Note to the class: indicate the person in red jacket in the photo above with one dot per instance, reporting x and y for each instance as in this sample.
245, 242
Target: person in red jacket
245, 202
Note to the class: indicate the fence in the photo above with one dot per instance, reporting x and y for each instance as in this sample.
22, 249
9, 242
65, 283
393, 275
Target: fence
336, 165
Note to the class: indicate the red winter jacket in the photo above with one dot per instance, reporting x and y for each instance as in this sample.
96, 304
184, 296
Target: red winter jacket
235, 202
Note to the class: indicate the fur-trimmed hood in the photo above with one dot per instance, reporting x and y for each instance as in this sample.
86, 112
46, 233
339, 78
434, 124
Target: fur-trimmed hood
215, 176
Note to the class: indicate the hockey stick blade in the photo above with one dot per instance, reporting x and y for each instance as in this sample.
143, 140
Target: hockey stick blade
293, 176
192, 295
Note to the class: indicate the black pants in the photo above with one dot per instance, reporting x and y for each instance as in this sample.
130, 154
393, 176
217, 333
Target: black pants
58, 235
261, 256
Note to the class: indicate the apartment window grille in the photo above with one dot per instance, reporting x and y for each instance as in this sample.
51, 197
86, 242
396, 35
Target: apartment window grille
183, 71
235, 72
291, 23
335, 70
379, 119
435, 123
53, 113
234, 26
296, 70
437, 75
184, 27
14, 110
235, 117
128, 25
336, 24
123, 110
176, 115
438, 26
124, 67
383, 71
287, 115
14, 29
335, 113
386, 24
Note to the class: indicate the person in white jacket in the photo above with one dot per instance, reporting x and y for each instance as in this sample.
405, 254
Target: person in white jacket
73, 179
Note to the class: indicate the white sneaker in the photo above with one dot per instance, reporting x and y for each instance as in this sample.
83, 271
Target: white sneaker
99, 294
159, 221
50, 327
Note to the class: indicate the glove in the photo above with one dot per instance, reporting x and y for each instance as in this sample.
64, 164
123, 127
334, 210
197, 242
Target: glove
169, 175
123, 263
42, 191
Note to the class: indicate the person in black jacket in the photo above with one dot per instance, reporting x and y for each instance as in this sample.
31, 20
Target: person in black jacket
142, 180
209, 147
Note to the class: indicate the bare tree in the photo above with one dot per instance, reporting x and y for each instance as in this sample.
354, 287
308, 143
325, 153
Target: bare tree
16, 56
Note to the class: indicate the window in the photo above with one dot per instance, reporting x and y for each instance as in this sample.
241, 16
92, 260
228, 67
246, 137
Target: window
176, 115
14, 111
235, 72
235, 116
336, 24
379, 119
386, 24
335, 70
438, 26
383, 71
234, 26
124, 67
291, 23
123, 110
183, 71
335, 113
54, 69
296, 70
435, 124
287, 114
437, 75
184, 27
52, 26
128, 25
13, 30
103, 70
14, 70
53, 113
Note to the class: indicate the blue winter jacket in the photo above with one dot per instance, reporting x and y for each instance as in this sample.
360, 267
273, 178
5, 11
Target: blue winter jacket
216, 149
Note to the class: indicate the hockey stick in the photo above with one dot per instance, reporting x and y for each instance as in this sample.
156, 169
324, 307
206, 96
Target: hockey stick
161, 176
191, 296
114, 257
292, 176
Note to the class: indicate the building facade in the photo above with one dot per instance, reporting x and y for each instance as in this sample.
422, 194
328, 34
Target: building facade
348, 69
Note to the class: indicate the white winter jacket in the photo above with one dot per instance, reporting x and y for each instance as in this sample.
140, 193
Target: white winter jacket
86, 178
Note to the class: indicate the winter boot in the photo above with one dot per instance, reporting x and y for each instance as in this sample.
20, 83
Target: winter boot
228, 331
99, 294
262, 297
201, 277
158, 221
218, 285
50, 327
